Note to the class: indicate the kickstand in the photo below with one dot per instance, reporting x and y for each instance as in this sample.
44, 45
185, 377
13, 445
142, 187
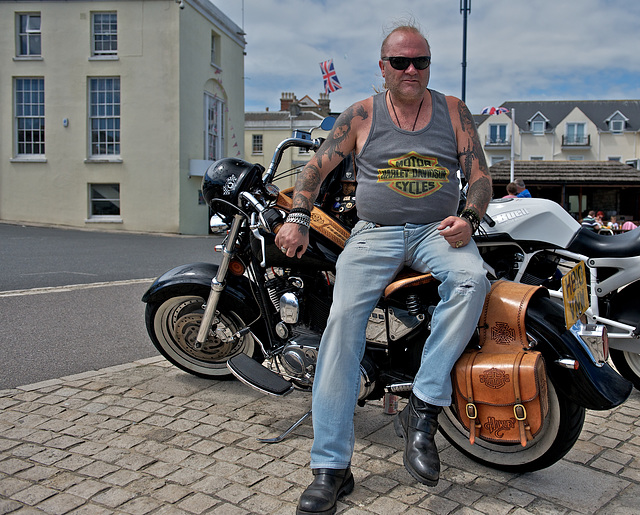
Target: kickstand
286, 433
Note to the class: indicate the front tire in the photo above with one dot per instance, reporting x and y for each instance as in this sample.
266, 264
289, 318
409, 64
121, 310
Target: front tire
558, 435
173, 325
628, 364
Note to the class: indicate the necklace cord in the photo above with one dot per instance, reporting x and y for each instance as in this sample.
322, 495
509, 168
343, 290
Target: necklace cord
398, 120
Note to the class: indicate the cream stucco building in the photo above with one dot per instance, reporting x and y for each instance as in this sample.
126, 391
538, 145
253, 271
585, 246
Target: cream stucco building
111, 110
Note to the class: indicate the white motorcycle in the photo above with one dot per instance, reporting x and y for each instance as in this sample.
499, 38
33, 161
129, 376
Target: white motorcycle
535, 241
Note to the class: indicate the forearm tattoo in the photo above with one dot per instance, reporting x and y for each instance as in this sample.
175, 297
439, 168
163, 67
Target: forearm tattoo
480, 189
311, 177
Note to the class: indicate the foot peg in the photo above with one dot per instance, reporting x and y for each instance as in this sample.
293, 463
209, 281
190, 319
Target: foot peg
253, 374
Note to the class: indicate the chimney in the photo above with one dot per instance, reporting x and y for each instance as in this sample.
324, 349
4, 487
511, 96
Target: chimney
323, 102
286, 100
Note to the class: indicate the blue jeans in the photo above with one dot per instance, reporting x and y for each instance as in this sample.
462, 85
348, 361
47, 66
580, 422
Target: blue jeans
370, 260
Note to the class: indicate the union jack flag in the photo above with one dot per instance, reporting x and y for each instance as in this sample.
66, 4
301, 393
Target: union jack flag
331, 82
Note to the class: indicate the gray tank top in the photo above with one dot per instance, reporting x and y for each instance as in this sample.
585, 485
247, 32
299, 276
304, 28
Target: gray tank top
404, 176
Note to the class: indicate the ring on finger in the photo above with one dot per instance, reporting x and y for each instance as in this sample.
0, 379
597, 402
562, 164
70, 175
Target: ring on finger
283, 249
459, 244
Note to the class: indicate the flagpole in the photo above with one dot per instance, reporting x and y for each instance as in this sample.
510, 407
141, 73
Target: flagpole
513, 137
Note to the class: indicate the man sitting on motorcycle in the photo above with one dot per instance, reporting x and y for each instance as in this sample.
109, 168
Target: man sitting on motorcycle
409, 143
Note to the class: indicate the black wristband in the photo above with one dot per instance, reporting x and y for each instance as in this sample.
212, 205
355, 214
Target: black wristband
300, 210
473, 217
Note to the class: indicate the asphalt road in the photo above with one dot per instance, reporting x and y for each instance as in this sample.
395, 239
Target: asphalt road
70, 299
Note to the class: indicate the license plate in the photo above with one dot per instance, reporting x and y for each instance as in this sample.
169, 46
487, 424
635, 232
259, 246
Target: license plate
574, 294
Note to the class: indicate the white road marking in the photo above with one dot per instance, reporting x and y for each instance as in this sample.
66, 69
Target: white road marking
71, 287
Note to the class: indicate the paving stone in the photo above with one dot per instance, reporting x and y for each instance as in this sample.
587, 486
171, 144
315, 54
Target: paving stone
61, 503
85, 445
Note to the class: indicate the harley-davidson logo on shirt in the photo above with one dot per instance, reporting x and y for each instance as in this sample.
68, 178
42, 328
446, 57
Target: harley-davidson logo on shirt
413, 175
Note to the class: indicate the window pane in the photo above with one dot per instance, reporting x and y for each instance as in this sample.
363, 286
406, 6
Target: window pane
104, 111
105, 33
29, 121
105, 200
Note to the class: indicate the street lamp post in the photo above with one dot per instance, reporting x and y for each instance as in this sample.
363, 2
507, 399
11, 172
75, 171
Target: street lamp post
465, 8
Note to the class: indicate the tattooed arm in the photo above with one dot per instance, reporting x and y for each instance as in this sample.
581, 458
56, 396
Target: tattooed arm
339, 143
458, 231
471, 157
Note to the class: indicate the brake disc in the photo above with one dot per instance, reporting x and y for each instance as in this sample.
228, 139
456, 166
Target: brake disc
219, 344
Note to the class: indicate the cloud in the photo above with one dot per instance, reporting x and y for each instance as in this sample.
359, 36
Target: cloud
516, 50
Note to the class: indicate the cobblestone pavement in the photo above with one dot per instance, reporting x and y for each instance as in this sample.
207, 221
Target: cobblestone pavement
147, 438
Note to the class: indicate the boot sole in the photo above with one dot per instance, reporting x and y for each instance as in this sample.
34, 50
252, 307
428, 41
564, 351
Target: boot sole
345, 489
401, 432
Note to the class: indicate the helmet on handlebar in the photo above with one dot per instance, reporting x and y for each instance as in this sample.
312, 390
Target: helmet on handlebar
225, 179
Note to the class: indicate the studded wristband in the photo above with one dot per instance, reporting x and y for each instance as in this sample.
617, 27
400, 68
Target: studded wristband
299, 218
471, 216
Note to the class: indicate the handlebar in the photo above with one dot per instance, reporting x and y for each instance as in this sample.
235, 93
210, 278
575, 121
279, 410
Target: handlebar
311, 144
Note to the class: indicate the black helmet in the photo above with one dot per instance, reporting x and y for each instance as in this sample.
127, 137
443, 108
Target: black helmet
225, 179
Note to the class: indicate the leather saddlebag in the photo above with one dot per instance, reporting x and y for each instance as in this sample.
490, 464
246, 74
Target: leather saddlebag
500, 390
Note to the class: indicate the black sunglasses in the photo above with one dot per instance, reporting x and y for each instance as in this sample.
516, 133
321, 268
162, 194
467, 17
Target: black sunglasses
402, 63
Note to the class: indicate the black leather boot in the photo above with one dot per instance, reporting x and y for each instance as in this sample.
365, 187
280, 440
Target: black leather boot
417, 423
327, 487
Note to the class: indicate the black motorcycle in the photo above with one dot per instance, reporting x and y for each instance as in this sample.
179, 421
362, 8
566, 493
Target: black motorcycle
259, 315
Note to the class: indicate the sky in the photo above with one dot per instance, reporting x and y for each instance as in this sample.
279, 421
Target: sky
517, 50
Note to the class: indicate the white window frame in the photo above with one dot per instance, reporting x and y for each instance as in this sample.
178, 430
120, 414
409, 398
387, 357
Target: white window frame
536, 158
215, 50
575, 158
113, 200
573, 135
108, 31
499, 129
497, 159
104, 117
29, 119
29, 33
257, 144
616, 126
538, 127
214, 127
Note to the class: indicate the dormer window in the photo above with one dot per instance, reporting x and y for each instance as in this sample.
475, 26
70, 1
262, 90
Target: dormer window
617, 122
538, 124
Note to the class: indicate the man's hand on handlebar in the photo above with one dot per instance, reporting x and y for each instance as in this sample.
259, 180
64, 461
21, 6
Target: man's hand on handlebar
293, 239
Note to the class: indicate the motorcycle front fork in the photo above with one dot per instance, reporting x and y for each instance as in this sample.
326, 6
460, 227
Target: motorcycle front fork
218, 282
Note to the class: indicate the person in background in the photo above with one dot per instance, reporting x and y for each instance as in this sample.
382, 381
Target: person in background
590, 221
523, 192
613, 223
512, 190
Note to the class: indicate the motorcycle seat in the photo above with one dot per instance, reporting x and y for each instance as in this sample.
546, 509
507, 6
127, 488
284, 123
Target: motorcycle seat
592, 244
405, 278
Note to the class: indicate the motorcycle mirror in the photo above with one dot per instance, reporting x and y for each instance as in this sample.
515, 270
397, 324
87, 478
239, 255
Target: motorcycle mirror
327, 123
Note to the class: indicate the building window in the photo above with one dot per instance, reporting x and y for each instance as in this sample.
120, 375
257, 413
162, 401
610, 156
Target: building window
575, 158
29, 35
214, 127
536, 158
576, 134
537, 127
104, 200
104, 117
497, 159
215, 49
615, 158
29, 109
256, 144
617, 126
497, 133
105, 33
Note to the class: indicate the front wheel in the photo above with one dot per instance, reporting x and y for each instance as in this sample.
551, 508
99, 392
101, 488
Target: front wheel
628, 364
173, 325
560, 431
